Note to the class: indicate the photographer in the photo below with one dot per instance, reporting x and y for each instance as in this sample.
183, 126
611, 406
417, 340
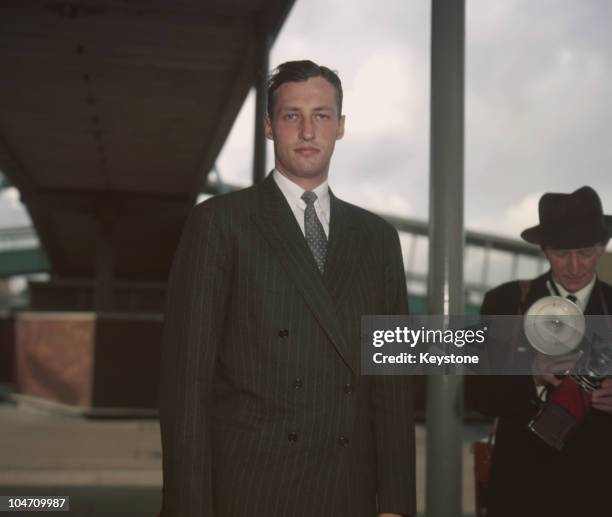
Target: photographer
528, 476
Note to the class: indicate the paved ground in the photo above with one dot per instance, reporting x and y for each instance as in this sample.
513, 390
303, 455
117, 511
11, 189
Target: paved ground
113, 467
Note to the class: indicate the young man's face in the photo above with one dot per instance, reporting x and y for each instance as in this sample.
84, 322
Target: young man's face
305, 126
574, 269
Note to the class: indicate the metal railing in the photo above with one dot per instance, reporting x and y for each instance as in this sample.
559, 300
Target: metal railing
489, 259
18, 238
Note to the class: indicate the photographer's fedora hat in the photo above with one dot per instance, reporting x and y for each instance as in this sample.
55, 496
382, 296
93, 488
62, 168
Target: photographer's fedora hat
570, 221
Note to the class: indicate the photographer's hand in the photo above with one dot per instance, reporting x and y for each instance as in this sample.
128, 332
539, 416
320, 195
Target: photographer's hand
602, 398
545, 367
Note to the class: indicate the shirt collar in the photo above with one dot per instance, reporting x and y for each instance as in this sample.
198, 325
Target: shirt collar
582, 295
293, 192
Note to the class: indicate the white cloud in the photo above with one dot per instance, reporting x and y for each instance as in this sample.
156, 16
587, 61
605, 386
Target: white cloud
515, 218
521, 215
11, 196
12, 212
537, 108
235, 162
378, 197
376, 106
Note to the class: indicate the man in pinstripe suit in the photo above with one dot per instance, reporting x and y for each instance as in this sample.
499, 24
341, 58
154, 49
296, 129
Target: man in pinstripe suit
263, 410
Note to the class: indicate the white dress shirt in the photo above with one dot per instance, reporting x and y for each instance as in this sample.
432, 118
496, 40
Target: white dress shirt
293, 195
582, 295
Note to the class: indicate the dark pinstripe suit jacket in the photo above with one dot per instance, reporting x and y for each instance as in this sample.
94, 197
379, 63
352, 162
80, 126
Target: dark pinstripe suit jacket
263, 411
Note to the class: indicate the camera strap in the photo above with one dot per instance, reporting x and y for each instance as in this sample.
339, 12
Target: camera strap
524, 288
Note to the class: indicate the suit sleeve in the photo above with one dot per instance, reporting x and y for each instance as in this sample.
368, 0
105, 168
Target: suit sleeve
501, 395
195, 312
393, 404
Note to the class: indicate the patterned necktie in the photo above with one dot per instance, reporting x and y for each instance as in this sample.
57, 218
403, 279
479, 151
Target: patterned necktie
572, 298
313, 230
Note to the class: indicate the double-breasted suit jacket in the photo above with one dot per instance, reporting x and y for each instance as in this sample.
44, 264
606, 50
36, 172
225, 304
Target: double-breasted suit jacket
263, 411
528, 477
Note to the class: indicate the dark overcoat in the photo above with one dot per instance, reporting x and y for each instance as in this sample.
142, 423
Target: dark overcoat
263, 409
528, 477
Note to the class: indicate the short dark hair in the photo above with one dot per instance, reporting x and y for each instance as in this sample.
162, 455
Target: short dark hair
292, 71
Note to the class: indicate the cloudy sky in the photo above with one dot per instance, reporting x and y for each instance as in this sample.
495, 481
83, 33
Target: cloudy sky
538, 115
537, 111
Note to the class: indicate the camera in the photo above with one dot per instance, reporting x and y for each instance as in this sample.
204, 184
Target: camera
555, 326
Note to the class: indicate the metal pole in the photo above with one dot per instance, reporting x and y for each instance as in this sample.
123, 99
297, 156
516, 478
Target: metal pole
446, 241
486, 261
261, 87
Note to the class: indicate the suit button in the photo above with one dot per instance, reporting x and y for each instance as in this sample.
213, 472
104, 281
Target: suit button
283, 333
343, 441
349, 388
292, 436
298, 383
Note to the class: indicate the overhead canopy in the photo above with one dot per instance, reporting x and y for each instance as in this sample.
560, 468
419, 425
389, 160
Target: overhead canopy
113, 112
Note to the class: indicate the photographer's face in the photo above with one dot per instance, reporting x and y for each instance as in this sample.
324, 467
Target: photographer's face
574, 268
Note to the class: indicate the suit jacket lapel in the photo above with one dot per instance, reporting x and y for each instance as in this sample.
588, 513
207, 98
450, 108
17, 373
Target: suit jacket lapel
342, 251
277, 224
594, 305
